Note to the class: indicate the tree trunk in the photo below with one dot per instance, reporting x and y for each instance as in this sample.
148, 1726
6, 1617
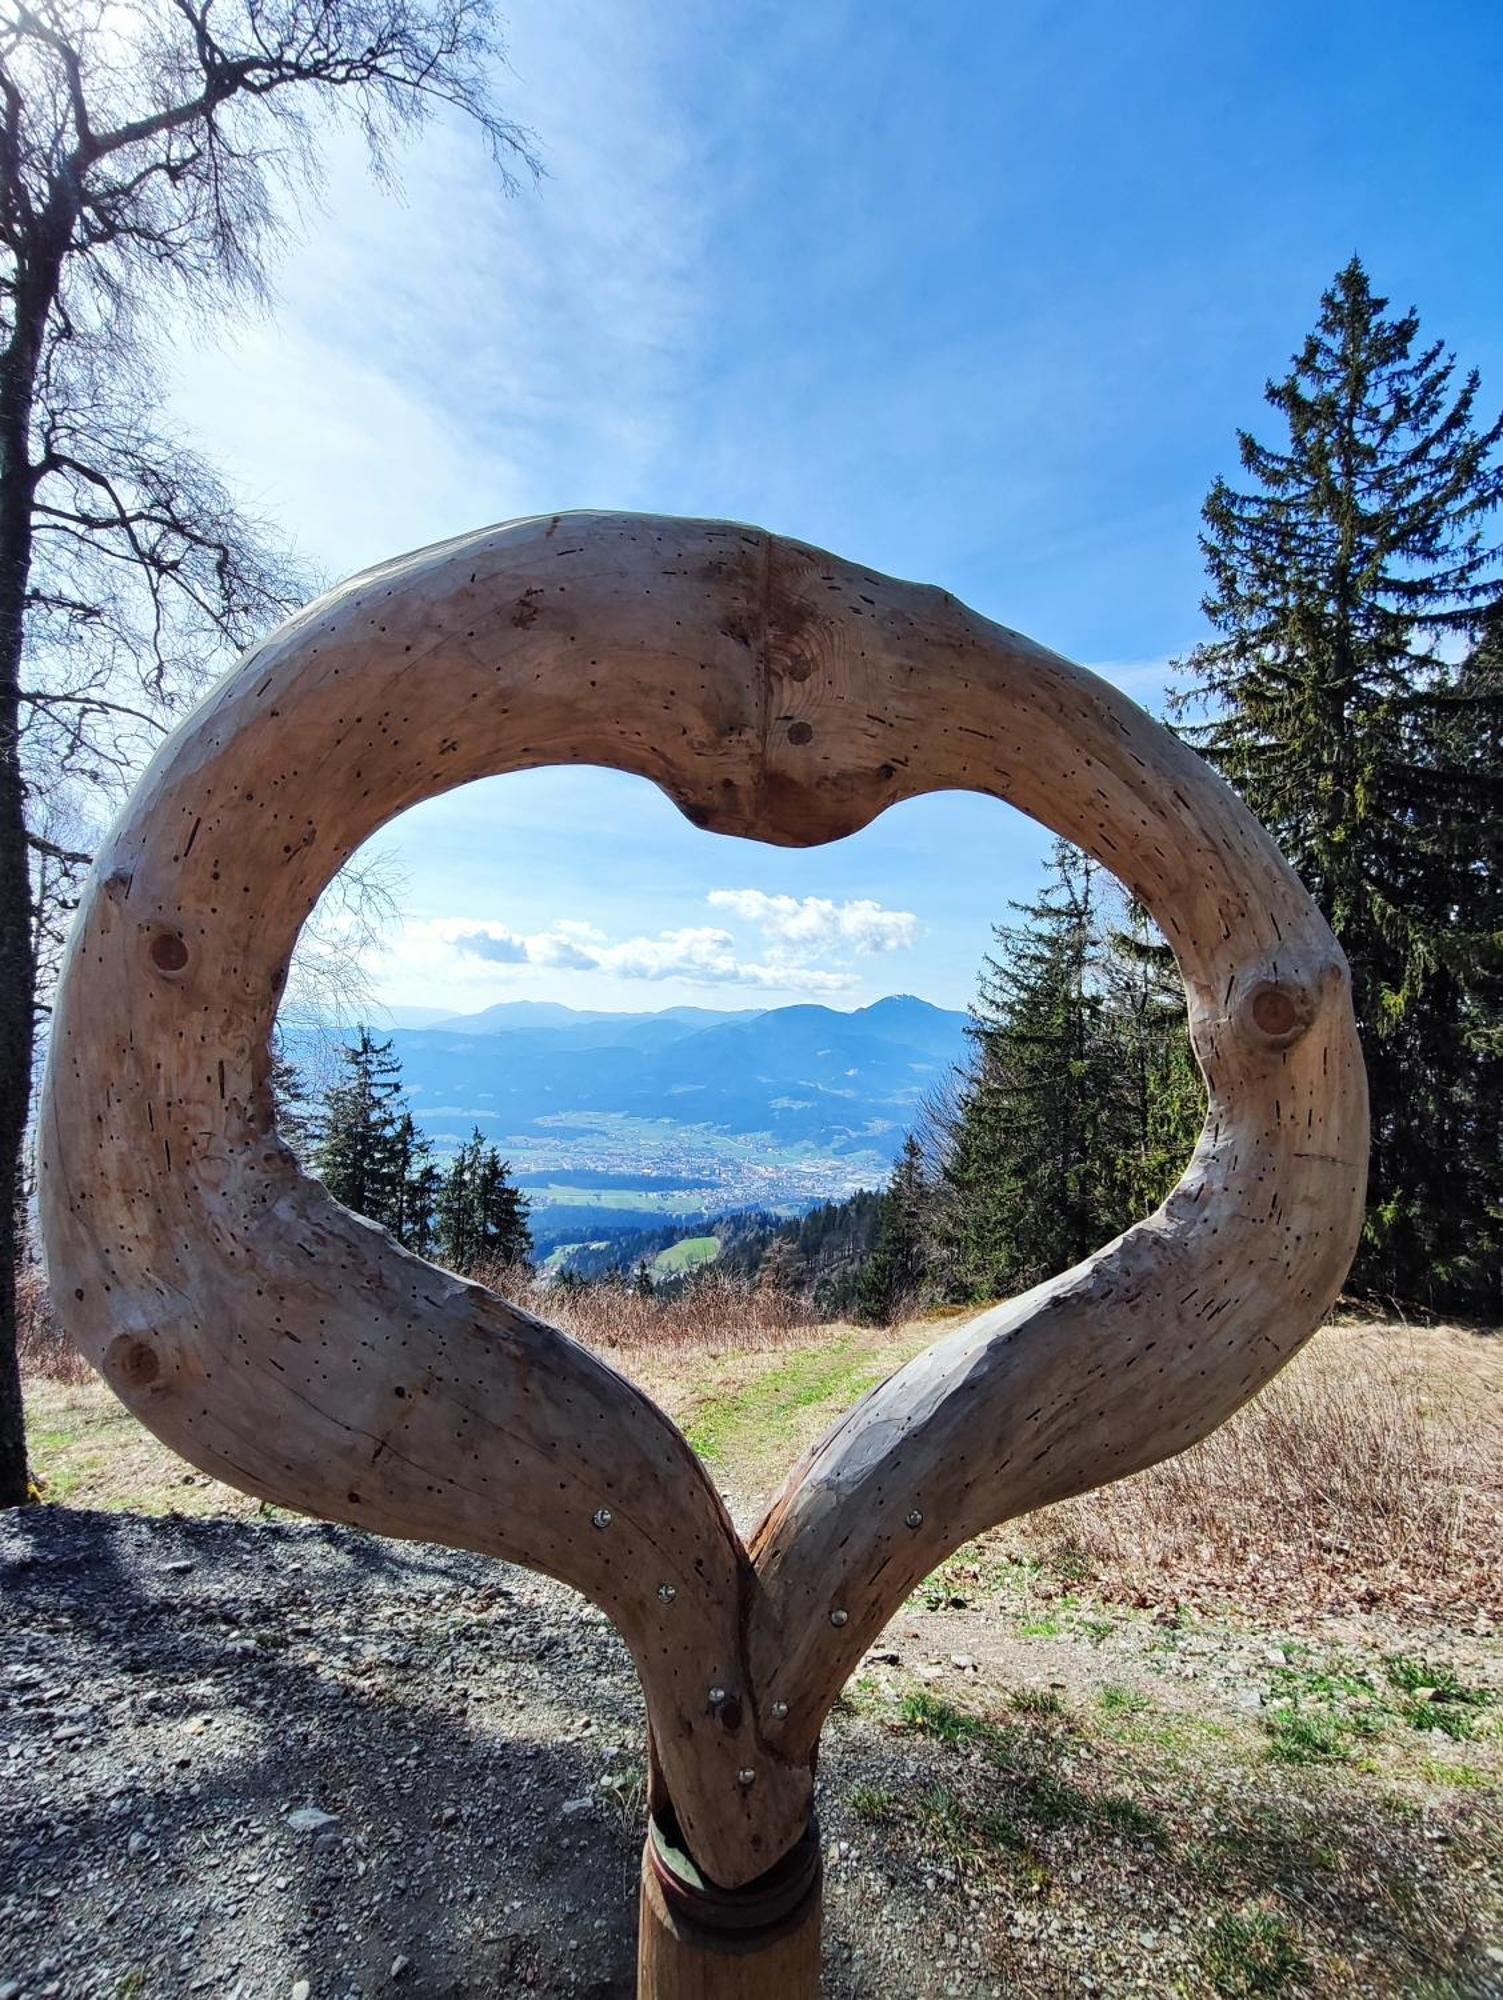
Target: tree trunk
17, 974
696, 1942
17, 937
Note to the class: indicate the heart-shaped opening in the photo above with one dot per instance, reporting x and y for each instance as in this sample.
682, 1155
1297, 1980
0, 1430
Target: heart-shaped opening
679, 1045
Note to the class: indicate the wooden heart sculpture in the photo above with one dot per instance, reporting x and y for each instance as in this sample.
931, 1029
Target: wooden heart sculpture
775, 692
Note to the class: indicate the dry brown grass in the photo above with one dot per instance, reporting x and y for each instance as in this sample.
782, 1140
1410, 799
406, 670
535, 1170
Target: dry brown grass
47, 1354
711, 1314
1370, 1471
1369, 1474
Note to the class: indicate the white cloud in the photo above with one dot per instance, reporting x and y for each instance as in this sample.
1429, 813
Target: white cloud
803, 945
495, 943
811, 925
700, 955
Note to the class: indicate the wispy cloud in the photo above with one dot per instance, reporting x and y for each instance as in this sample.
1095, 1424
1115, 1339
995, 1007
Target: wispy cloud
1147, 681
811, 925
444, 356
797, 937
700, 955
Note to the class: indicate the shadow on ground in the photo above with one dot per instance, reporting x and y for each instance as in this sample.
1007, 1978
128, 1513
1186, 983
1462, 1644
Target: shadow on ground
175, 1689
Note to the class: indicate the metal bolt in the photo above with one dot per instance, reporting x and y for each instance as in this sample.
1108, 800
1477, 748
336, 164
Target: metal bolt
717, 1696
839, 1617
915, 1518
667, 1592
779, 1711
746, 1777
603, 1517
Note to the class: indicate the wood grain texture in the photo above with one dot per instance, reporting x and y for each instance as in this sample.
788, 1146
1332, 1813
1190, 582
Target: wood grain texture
781, 694
679, 1961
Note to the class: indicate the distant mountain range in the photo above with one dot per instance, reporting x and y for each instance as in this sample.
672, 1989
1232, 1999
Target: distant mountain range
799, 1074
626, 1118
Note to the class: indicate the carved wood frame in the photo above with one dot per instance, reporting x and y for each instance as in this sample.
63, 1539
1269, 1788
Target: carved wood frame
776, 692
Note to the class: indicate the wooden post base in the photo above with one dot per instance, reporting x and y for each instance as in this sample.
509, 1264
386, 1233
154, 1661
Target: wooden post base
697, 1942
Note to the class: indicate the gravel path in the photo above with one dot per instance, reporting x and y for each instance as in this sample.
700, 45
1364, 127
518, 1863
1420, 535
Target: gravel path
272, 1760
275, 1759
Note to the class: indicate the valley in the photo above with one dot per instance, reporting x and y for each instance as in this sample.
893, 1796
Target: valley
617, 1122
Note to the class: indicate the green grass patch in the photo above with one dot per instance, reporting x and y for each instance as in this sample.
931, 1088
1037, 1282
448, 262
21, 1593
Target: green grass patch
1309, 1736
1040, 1625
1039, 1800
1334, 1704
970, 1835
876, 1805
690, 1254
925, 1714
1244, 1956
859, 1696
1123, 1701
63, 1461
1459, 1777
1436, 1697
748, 1433
1036, 1701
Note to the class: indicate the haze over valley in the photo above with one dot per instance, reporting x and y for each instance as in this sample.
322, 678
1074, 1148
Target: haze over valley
616, 1121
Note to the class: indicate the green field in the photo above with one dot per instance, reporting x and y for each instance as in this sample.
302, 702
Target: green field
687, 1255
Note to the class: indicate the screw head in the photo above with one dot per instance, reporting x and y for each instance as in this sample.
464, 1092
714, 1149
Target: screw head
914, 1518
717, 1696
603, 1517
779, 1711
667, 1592
746, 1777
839, 1617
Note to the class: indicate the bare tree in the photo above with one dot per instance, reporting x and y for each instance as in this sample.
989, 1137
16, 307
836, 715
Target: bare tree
151, 152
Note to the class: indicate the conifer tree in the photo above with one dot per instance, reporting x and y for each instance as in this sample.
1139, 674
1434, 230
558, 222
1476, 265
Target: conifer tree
1083, 1099
1158, 1099
298, 1124
418, 1180
1342, 578
458, 1235
482, 1216
360, 1157
784, 1266
501, 1214
1030, 1156
893, 1279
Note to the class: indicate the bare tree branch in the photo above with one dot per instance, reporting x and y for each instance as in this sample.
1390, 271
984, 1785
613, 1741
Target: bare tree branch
145, 174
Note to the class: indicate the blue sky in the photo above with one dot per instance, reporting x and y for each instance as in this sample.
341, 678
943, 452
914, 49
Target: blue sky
976, 294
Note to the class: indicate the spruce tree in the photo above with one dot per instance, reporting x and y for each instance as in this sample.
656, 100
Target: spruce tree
360, 1156
501, 1214
1030, 1155
1083, 1099
481, 1214
893, 1279
417, 1182
1344, 575
298, 1124
458, 1230
1158, 1099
